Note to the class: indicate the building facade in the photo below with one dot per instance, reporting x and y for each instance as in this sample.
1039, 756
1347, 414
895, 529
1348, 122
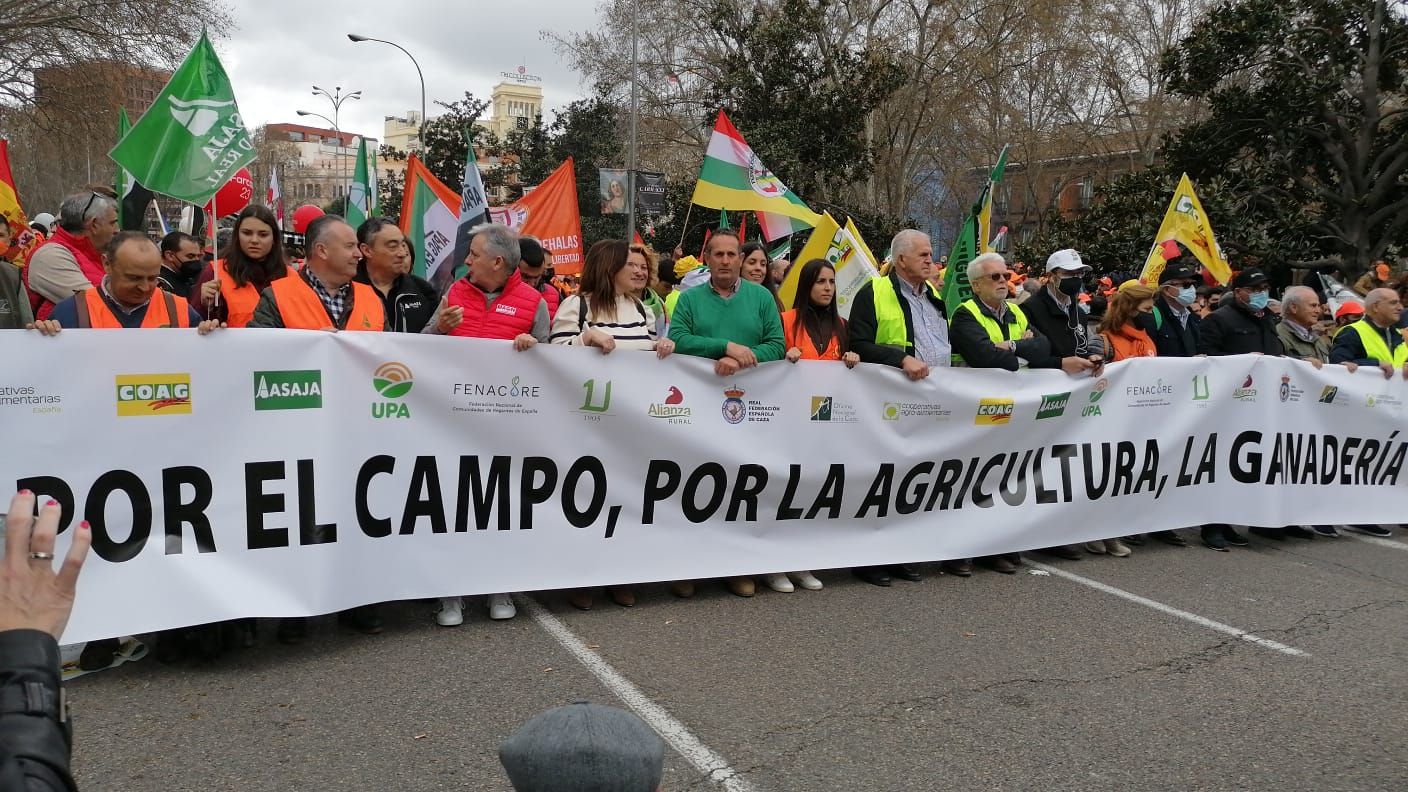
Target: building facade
326, 163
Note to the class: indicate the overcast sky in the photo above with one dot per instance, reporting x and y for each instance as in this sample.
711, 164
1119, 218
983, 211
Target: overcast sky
282, 48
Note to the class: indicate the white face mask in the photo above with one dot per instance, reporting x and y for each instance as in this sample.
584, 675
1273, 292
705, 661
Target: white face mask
1187, 295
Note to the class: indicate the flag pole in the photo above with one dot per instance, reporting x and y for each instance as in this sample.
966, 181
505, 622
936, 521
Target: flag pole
631, 172
684, 229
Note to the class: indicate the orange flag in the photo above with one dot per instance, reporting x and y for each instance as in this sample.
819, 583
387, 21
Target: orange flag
23, 239
550, 213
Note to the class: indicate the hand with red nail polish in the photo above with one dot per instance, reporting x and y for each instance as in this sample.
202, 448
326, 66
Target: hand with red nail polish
32, 595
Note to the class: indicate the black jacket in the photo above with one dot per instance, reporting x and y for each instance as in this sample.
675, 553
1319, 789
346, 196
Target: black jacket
971, 342
1170, 337
1349, 347
409, 303
863, 325
1234, 330
1054, 322
34, 746
175, 283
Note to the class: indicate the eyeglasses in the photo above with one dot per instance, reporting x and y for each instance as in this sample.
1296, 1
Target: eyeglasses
998, 276
93, 196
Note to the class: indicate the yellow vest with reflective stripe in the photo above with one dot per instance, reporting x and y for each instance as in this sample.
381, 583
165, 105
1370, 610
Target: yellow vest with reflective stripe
890, 329
996, 332
1375, 346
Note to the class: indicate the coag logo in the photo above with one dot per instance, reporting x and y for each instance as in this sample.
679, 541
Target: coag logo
288, 390
153, 394
735, 411
392, 381
1053, 406
994, 411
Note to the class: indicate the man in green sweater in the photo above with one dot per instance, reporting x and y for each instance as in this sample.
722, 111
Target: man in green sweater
730, 320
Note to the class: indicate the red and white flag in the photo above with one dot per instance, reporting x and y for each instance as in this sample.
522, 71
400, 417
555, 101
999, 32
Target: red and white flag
275, 199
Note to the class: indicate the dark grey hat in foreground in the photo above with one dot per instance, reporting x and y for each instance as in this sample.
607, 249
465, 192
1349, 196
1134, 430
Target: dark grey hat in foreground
584, 748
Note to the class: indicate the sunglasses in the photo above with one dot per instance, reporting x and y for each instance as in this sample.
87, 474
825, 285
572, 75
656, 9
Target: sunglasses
998, 276
91, 198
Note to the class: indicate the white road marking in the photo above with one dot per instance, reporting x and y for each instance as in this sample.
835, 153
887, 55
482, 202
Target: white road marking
1201, 621
1373, 540
676, 734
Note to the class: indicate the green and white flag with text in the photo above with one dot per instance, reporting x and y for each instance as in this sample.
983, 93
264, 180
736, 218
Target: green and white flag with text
192, 140
359, 194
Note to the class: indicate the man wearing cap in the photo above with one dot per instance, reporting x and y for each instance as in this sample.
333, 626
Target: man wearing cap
1056, 311
1242, 325
1348, 314
1377, 277
1176, 330
584, 748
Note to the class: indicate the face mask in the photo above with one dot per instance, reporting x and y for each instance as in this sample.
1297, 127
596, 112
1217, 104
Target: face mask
1070, 286
191, 269
1259, 300
1144, 319
1187, 295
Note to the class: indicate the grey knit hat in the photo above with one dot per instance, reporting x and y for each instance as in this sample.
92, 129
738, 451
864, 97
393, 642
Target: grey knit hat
584, 748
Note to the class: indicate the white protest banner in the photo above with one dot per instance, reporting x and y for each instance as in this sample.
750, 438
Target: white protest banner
283, 473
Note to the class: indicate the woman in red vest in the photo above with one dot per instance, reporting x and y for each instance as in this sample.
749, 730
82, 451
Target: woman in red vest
229, 288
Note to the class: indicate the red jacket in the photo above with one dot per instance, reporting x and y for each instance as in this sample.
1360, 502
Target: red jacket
90, 261
510, 315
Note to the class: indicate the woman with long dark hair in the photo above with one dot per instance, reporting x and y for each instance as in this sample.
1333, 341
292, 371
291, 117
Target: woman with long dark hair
814, 329
229, 287
756, 266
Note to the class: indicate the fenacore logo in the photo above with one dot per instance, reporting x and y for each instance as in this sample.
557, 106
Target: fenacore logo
992, 412
1149, 395
392, 381
1246, 392
1327, 396
734, 410
153, 394
672, 410
288, 390
1053, 406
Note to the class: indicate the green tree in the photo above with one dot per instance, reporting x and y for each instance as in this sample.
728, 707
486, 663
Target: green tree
448, 135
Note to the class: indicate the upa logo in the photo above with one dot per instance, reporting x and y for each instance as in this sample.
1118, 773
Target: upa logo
153, 394
392, 381
992, 412
1093, 408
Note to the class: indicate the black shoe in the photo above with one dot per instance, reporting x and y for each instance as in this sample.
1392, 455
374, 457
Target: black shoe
1000, 563
905, 572
365, 620
239, 634
170, 646
962, 567
1233, 538
292, 631
1328, 531
1133, 539
1268, 533
1170, 537
875, 576
1372, 530
1068, 552
1212, 537
1297, 532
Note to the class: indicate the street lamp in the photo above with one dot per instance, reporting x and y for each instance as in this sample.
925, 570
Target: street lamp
337, 97
329, 121
356, 39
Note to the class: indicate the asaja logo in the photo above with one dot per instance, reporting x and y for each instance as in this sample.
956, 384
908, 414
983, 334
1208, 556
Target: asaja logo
392, 381
199, 116
1327, 396
735, 411
1053, 406
1246, 392
288, 390
153, 394
992, 412
673, 409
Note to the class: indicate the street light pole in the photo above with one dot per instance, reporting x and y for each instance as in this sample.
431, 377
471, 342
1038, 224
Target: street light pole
337, 97
421, 136
331, 122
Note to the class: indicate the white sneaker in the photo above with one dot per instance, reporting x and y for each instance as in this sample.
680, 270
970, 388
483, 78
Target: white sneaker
779, 582
501, 607
807, 581
451, 613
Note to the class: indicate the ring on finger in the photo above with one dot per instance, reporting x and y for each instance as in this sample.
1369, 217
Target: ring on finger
38, 555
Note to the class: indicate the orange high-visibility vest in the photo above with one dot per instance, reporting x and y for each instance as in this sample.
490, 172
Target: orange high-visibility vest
300, 308
93, 311
239, 300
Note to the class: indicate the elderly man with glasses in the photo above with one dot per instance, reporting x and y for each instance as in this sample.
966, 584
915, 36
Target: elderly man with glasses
71, 261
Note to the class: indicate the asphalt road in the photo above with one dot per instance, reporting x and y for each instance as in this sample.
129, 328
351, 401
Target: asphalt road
1030, 681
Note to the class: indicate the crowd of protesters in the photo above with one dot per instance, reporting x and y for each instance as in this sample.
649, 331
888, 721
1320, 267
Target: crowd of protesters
726, 308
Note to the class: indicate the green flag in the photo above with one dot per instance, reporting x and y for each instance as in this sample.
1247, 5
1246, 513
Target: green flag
957, 289
192, 140
359, 194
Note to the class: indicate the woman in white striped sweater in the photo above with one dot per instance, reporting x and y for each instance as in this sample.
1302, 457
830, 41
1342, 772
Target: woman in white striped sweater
605, 314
